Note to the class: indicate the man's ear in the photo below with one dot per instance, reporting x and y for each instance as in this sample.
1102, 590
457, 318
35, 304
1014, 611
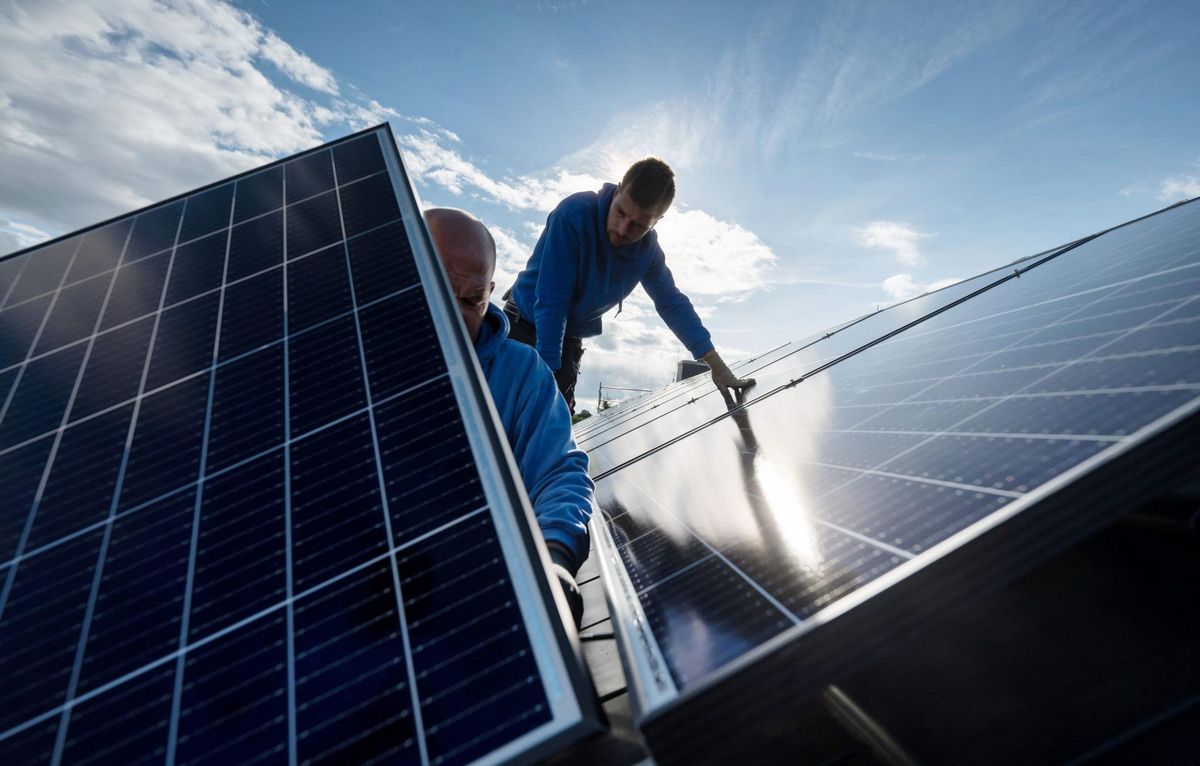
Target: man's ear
491, 289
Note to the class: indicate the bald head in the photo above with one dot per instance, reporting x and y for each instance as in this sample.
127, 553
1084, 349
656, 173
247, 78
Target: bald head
468, 254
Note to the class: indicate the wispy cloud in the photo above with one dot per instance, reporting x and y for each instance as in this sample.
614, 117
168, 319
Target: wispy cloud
1180, 187
900, 287
881, 157
107, 107
900, 238
18, 236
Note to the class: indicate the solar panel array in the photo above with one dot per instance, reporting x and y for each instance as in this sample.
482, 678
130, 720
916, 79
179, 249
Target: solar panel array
252, 508
885, 468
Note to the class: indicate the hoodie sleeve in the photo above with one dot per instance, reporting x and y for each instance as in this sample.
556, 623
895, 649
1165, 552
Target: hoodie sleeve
555, 287
675, 308
554, 469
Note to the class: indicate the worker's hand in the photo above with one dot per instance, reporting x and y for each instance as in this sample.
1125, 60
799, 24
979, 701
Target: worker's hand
561, 566
723, 378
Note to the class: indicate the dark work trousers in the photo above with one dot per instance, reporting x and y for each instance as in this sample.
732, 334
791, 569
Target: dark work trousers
522, 330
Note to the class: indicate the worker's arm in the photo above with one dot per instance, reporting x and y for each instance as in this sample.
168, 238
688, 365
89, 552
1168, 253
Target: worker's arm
679, 314
555, 286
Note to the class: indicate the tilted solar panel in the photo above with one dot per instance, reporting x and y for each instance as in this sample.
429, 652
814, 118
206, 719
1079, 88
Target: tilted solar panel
256, 507
875, 477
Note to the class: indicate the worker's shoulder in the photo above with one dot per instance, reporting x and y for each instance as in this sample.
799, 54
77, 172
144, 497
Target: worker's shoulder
578, 204
522, 359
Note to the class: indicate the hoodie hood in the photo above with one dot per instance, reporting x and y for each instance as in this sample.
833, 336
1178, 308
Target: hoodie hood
492, 333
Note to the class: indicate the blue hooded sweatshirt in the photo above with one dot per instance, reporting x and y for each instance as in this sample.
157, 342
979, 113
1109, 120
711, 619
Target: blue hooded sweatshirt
538, 426
575, 275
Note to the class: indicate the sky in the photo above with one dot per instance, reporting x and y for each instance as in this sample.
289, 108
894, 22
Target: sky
830, 157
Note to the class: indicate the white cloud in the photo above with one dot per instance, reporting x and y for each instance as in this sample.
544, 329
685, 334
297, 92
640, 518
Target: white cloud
901, 287
881, 157
1177, 188
708, 256
107, 107
900, 238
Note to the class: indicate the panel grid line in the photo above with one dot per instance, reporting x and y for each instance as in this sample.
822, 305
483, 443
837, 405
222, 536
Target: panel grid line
221, 633
31, 514
227, 469
418, 720
17, 278
287, 498
81, 646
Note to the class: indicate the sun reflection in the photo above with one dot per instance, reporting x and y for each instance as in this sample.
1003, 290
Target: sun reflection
789, 511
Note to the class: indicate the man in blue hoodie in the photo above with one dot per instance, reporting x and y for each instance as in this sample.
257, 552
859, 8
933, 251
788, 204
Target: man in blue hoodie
595, 249
538, 426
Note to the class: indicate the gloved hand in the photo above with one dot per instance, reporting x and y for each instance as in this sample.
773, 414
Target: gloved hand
724, 379
561, 565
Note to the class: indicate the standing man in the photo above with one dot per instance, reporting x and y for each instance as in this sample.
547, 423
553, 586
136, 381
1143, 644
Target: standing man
595, 249
538, 427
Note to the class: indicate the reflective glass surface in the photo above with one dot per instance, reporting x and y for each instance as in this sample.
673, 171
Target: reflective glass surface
755, 523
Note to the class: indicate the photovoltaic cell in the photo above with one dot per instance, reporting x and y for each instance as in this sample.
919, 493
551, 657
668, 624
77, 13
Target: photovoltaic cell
875, 469
249, 513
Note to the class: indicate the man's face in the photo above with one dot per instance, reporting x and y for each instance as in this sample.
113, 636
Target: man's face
627, 221
472, 286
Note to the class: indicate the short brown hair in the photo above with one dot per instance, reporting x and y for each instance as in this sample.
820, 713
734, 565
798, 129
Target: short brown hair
650, 183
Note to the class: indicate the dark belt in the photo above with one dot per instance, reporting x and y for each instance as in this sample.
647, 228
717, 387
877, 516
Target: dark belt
514, 318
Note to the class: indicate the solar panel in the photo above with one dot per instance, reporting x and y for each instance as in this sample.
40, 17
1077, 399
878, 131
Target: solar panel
884, 471
256, 504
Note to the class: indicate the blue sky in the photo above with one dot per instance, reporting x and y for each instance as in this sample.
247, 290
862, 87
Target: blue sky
830, 157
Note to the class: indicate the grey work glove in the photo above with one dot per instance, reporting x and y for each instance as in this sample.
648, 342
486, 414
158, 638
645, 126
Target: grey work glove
561, 566
723, 378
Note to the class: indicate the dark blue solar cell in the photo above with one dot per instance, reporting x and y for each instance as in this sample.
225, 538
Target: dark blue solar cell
240, 558
657, 555
20, 474
400, 343
165, 454
735, 616
44, 272
32, 745
318, 288
252, 315
247, 408
198, 268
137, 291
206, 212
911, 416
184, 341
337, 515
353, 700
308, 175
40, 629
997, 462
1182, 333
140, 600
18, 326
806, 578
37, 406
907, 514
73, 315
369, 203
357, 158
256, 245
505, 698
1102, 414
234, 707
154, 231
312, 225
1154, 369
10, 269
128, 725
427, 464
79, 491
114, 368
101, 250
258, 194
316, 396
382, 263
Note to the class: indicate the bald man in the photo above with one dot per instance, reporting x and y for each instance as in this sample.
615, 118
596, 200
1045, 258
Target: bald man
534, 415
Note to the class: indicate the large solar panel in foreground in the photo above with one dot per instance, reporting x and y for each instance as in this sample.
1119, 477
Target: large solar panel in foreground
882, 472
255, 506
